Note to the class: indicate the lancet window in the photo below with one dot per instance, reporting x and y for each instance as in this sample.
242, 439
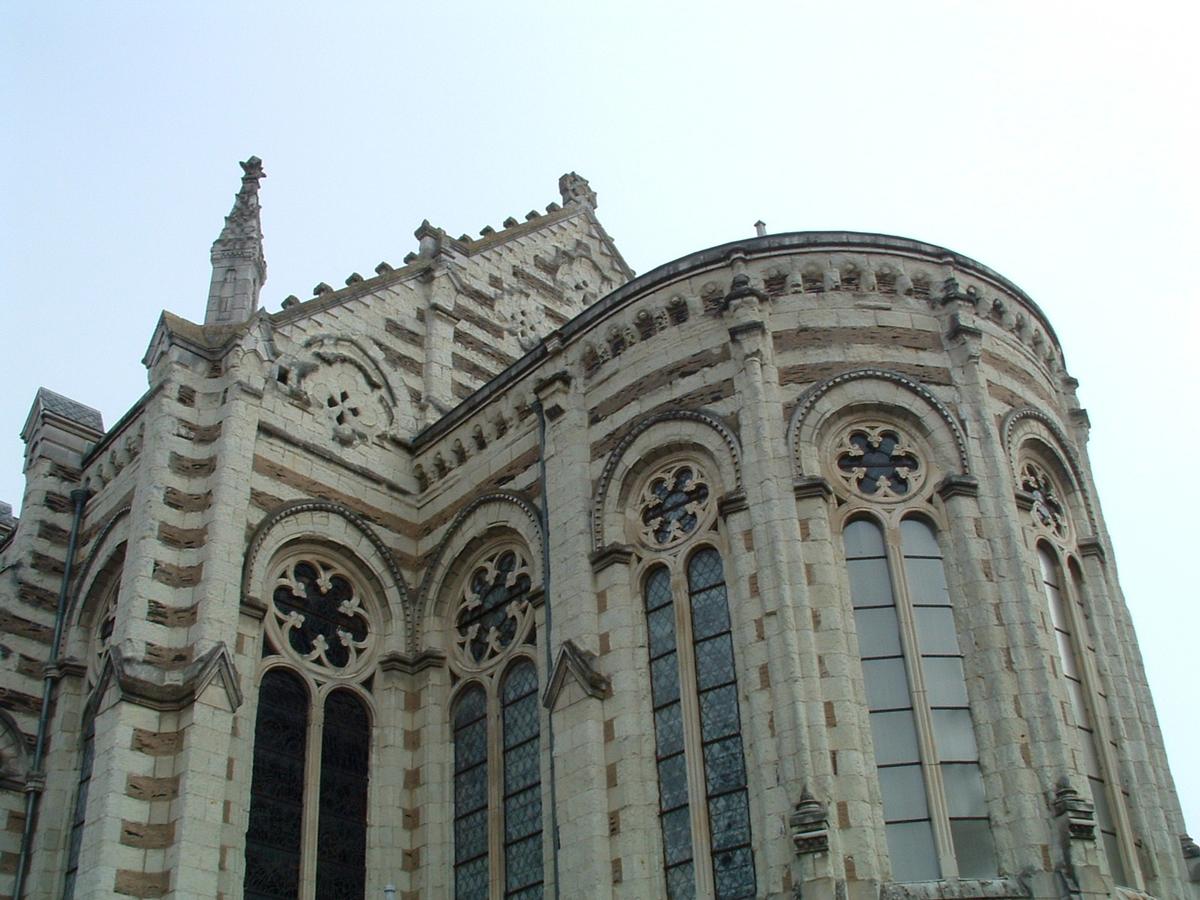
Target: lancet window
704, 808
934, 806
496, 726
307, 829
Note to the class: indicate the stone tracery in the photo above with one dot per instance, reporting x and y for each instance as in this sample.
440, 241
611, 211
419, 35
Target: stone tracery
319, 614
495, 611
879, 462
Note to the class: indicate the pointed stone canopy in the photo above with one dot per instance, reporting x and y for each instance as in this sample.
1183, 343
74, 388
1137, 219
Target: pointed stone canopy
239, 265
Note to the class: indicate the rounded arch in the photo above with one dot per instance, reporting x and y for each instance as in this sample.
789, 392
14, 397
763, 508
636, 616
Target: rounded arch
14, 753
650, 439
336, 527
880, 391
1029, 427
103, 565
487, 519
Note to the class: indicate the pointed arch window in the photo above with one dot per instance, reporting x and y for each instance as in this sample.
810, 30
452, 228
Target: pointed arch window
934, 807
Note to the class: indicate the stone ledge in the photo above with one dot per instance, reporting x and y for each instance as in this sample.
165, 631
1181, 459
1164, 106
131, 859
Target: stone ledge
958, 889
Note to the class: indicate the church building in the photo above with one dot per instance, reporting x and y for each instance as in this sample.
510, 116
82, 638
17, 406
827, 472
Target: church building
777, 571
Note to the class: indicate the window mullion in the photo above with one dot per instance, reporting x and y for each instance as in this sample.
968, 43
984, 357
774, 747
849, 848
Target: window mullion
312, 797
495, 776
935, 795
693, 742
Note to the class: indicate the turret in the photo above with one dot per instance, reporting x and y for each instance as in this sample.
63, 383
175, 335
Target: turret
239, 266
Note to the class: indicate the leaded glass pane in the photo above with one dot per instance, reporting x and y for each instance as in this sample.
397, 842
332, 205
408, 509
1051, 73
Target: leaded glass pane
668, 730
734, 873
470, 790
470, 795
870, 584
658, 588
729, 820
523, 868
862, 539
974, 848
342, 818
710, 612
724, 766
895, 737
935, 630
470, 835
523, 814
677, 835
878, 632
887, 684
954, 734
273, 833
471, 880
719, 713
903, 790
704, 570
926, 581
672, 782
964, 790
918, 539
661, 625
522, 766
681, 882
945, 684
664, 679
470, 745
714, 661
911, 848
522, 780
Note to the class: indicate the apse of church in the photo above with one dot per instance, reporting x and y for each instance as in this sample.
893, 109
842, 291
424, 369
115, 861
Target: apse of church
777, 571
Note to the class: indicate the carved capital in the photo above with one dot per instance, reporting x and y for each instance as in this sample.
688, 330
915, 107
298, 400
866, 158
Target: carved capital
812, 486
1077, 816
809, 824
612, 555
958, 486
733, 502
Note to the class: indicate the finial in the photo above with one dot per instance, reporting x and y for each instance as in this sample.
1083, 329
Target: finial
760, 228
239, 265
576, 191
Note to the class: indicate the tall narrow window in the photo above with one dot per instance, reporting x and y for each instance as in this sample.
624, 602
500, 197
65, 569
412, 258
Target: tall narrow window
1071, 644
925, 750
87, 756
498, 851
342, 822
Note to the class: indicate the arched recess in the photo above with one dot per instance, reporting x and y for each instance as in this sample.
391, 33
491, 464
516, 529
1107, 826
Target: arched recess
875, 393
14, 753
99, 572
347, 534
488, 518
1031, 429
649, 440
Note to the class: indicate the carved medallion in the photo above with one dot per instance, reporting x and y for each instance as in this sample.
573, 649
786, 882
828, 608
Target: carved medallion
673, 504
879, 463
319, 615
1048, 512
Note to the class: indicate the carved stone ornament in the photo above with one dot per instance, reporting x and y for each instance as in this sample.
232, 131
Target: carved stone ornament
524, 316
106, 621
1049, 513
319, 615
351, 406
809, 823
674, 503
1076, 813
495, 612
879, 462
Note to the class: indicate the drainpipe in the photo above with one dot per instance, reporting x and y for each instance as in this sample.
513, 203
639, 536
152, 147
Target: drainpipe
35, 781
547, 605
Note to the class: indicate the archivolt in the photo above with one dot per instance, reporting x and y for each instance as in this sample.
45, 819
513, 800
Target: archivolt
1064, 448
614, 458
809, 398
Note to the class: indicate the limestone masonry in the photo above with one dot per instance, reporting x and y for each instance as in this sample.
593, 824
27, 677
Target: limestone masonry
777, 571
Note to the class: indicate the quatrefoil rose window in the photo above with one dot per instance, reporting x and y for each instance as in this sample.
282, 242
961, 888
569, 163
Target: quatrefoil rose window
495, 611
879, 463
1047, 510
673, 504
320, 615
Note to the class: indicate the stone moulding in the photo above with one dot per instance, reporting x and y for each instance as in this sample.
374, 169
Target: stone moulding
147, 685
959, 889
98, 545
411, 664
809, 398
614, 458
613, 554
579, 664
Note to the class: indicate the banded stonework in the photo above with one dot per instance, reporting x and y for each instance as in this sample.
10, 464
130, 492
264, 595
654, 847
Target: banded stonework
776, 571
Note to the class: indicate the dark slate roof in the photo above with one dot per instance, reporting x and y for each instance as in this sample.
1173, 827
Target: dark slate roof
69, 409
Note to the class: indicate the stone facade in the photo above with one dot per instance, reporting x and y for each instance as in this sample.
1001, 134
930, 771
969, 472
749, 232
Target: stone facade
492, 454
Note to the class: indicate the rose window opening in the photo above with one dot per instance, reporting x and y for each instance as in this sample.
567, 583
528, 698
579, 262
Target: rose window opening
1047, 510
673, 504
342, 408
878, 462
320, 615
495, 611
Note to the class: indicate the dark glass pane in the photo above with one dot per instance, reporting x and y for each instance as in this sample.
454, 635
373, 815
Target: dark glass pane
704, 570
658, 588
935, 630
672, 782
719, 713
887, 683
954, 734
522, 780
724, 767
681, 882
729, 820
470, 790
945, 684
470, 835
910, 845
664, 679
661, 624
862, 539
521, 681
674, 513
522, 766
273, 833
471, 880
342, 819
710, 612
470, 745
523, 868
926, 581
733, 872
471, 871
877, 461
87, 757
677, 835
878, 632
714, 661
974, 848
523, 814
470, 706
870, 584
964, 790
895, 737
668, 730
903, 790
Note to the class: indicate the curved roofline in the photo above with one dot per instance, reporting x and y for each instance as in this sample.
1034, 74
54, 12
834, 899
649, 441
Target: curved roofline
793, 240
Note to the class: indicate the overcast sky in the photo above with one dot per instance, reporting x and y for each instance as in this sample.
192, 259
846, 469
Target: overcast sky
1055, 142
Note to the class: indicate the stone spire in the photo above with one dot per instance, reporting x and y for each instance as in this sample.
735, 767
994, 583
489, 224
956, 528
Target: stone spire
239, 266
576, 191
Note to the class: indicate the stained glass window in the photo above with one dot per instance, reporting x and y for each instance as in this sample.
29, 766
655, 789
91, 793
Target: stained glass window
522, 783
495, 607
471, 795
75, 840
274, 833
342, 822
